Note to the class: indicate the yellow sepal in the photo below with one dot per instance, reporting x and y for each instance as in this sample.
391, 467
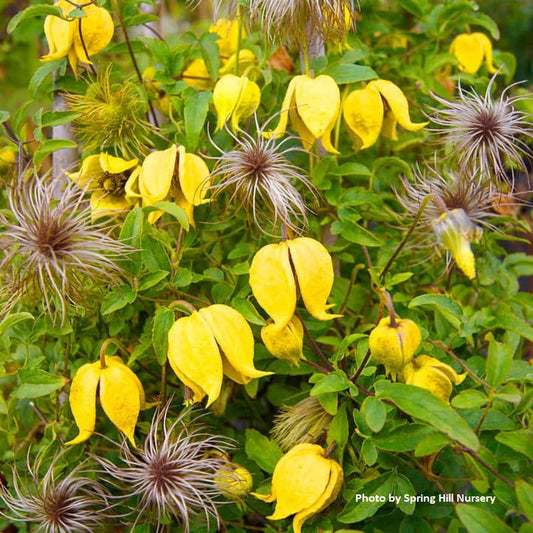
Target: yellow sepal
156, 175
193, 177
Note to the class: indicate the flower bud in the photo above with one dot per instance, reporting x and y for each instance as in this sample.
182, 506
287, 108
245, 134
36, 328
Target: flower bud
430, 374
286, 343
394, 346
304, 483
235, 482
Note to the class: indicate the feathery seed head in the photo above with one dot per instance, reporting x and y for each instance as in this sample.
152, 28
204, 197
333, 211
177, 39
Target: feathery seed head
51, 248
173, 476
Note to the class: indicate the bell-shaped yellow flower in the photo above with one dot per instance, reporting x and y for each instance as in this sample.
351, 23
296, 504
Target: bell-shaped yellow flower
285, 343
378, 108
247, 60
470, 49
312, 106
121, 396
109, 178
431, 374
394, 346
236, 98
303, 484
172, 174
228, 30
78, 38
197, 75
273, 280
208, 344
455, 231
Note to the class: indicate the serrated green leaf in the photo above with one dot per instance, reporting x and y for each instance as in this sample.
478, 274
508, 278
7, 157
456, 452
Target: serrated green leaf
265, 452
421, 404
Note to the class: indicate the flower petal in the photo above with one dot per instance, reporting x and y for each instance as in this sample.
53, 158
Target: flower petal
486, 45
272, 282
468, 49
193, 177
314, 272
156, 174
116, 165
97, 30
287, 104
59, 33
82, 400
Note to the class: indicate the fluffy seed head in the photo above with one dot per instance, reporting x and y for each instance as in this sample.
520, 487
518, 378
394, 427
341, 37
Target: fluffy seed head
294, 20
174, 474
299, 423
73, 503
484, 133
50, 248
111, 116
261, 179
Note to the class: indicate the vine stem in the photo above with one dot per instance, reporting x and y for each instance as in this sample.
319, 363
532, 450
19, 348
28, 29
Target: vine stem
477, 458
315, 346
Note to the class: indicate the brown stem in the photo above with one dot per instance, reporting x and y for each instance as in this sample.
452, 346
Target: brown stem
387, 300
365, 360
314, 345
182, 303
475, 456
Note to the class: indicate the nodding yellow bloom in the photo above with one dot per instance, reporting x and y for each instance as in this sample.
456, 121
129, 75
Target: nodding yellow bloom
394, 346
172, 174
273, 280
312, 106
197, 75
470, 49
235, 98
377, 108
109, 178
429, 373
208, 344
121, 396
455, 231
228, 30
286, 343
78, 39
304, 483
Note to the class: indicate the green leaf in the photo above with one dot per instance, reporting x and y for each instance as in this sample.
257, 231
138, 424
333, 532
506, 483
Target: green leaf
36, 382
351, 169
421, 404
329, 402
417, 7
77, 13
524, 494
210, 54
118, 298
4, 115
183, 277
56, 118
430, 444
375, 413
33, 11
163, 320
469, 399
265, 452
328, 383
338, 431
42, 72
50, 146
477, 520
131, 234
248, 311
369, 452
520, 440
176, 211
11, 320
357, 510
442, 304
354, 232
153, 252
194, 116
151, 279
499, 361
403, 487
401, 439
345, 73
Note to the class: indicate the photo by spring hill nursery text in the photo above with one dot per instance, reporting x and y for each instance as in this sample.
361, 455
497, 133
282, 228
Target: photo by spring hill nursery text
265, 266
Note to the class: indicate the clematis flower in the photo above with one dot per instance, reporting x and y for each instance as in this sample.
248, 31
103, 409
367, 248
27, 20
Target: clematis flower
78, 38
470, 49
197, 75
108, 177
121, 396
377, 108
286, 343
431, 374
304, 483
273, 280
210, 343
172, 173
228, 31
312, 106
235, 98
394, 345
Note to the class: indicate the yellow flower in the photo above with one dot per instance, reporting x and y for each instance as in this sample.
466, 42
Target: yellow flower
197, 75
455, 231
470, 49
208, 344
121, 396
304, 483
110, 179
366, 115
228, 30
394, 346
312, 105
233, 481
429, 373
236, 98
273, 280
247, 60
78, 38
285, 343
172, 173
